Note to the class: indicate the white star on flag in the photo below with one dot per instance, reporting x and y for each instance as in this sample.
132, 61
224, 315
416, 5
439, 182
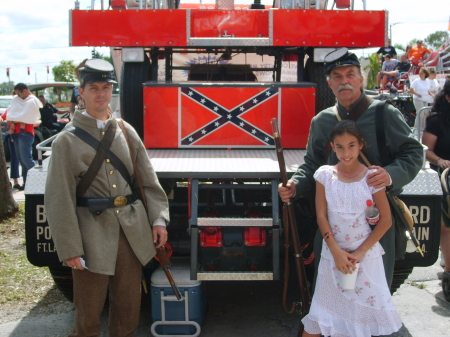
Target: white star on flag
216, 108
242, 108
191, 139
266, 139
229, 116
203, 101
241, 124
190, 93
203, 131
268, 93
216, 123
253, 131
255, 100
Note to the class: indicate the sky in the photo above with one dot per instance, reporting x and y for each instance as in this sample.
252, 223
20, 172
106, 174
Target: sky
35, 33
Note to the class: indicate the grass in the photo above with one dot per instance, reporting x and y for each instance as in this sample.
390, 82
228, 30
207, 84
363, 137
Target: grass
19, 279
418, 285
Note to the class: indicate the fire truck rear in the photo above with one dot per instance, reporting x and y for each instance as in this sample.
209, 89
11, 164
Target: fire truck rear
206, 124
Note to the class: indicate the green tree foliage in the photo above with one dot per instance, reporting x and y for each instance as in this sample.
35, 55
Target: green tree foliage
436, 39
6, 88
373, 69
64, 72
399, 47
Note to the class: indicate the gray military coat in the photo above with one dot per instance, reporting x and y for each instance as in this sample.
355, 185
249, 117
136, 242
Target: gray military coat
404, 150
76, 231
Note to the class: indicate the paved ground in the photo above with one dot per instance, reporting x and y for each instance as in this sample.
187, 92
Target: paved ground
254, 308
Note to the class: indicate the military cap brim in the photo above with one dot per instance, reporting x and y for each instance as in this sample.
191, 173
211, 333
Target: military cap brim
97, 70
340, 58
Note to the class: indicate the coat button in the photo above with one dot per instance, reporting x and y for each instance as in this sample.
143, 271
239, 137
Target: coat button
117, 211
103, 133
107, 160
111, 172
114, 186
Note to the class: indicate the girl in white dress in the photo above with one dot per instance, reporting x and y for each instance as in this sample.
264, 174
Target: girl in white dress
341, 195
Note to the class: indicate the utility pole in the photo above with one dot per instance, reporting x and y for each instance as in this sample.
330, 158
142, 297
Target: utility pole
390, 28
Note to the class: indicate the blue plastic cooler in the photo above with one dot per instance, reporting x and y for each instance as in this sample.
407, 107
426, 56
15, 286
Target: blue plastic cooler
177, 317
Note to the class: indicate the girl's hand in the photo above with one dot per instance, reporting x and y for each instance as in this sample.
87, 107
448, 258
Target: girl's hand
343, 261
358, 255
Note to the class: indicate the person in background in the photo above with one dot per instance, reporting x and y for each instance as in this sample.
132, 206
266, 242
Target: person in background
386, 50
402, 67
434, 84
14, 162
408, 48
436, 136
23, 114
48, 115
388, 66
76, 101
418, 53
421, 97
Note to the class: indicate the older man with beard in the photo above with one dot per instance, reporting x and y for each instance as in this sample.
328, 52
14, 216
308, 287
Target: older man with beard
405, 153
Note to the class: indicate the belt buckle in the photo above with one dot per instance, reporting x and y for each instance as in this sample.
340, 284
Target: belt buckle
120, 201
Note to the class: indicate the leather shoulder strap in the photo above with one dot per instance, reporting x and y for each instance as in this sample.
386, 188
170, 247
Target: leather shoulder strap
136, 172
96, 145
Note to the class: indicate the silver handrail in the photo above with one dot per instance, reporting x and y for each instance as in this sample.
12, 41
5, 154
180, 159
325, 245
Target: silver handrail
41, 148
418, 131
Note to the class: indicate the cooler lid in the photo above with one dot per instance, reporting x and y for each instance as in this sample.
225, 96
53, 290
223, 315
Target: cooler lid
181, 274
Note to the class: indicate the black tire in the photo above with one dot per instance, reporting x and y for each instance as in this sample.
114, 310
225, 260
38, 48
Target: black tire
62, 276
315, 73
400, 275
134, 74
446, 285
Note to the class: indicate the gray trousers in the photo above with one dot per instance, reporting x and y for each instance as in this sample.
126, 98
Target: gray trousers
387, 242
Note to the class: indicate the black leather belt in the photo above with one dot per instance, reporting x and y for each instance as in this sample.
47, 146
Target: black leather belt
98, 205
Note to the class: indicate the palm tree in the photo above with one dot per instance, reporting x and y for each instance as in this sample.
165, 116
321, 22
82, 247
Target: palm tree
374, 68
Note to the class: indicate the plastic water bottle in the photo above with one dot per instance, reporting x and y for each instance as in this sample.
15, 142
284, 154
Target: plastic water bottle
372, 213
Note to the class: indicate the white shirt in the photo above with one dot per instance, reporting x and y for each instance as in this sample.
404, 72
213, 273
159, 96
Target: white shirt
422, 87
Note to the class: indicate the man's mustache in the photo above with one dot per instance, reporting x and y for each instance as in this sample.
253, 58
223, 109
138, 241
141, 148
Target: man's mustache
345, 87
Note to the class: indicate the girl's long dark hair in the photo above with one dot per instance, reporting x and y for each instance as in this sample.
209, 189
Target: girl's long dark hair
441, 106
350, 127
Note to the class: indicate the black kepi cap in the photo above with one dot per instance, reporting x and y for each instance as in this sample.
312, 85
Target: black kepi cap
339, 58
97, 70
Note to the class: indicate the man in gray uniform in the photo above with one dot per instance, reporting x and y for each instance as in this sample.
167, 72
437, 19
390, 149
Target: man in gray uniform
99, 227
405, 153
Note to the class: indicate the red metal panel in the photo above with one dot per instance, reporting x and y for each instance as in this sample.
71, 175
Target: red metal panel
128, 28
169, 123
298, 108
161, 117
326, 28
211, 23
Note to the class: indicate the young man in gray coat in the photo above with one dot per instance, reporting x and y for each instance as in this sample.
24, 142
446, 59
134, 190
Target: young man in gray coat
105, 235
405, 152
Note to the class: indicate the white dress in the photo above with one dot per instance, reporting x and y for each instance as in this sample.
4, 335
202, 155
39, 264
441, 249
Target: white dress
366, 310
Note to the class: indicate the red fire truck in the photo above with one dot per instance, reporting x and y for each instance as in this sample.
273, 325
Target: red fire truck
206, 124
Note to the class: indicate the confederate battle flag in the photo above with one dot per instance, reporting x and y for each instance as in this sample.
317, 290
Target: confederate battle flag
199, 116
